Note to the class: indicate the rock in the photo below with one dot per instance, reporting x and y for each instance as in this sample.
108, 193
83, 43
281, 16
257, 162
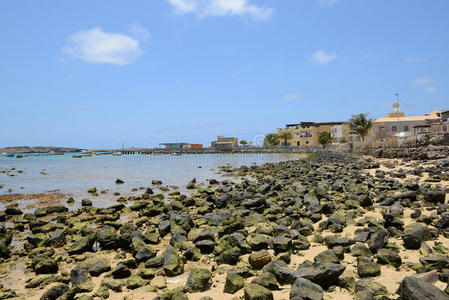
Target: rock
416, 289
257, 292
112, 284
258, 242
44, 265
164, 227
415, 235
159, 282
92, 190
234, 282
378, 240
268, 280
259, 259
107, 238
327, 256
134, 282
56, 239
435, 196
119, 181
173, 264
432, 262
82, 245
13, 211
86, 202
366, 267
96, 266
281, 244
205, 246
55, 292
81, 280
386, 256
319, 273
141, 251
305, 289
360, 249
198, 280
230, 256
121, 271
443, 223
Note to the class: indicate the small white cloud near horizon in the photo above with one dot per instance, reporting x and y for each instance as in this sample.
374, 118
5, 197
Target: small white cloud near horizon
424, 82
291, 97
210, 8
97, 46
415, 60
328, 2
323, 58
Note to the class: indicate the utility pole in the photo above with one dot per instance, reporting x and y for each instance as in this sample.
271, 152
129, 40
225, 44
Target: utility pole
397, 113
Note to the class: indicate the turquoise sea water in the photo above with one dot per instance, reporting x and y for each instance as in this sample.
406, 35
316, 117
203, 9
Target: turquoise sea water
76, 175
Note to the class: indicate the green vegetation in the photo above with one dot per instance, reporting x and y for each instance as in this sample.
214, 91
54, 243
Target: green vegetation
324, 138
243, 143
360, 124
285, 136
271, 139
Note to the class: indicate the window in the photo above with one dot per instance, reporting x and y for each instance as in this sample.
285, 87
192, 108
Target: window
307, 142
298, 143
382, 129
394, 129
406, 128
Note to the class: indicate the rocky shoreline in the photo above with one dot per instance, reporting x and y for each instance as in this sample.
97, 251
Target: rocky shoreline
331, 227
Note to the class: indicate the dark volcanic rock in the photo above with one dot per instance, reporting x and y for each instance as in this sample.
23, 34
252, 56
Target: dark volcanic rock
413, 288
305, 289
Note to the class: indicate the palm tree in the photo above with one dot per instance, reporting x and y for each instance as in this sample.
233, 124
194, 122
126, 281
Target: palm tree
286, 135
271, 139
324, 138
360, 124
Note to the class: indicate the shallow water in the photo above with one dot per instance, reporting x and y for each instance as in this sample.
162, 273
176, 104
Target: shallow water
76, 175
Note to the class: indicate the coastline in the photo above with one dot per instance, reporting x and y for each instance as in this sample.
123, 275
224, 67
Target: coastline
289, 213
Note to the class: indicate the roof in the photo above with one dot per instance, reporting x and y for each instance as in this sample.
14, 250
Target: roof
168, 144
407, 119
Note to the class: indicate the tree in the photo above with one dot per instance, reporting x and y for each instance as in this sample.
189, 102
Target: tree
243, 142
324, 138
360, 124
271, 139
286, 135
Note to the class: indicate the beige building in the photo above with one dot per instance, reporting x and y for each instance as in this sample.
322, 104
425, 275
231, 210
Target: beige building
225, 142
398, 125
306, 133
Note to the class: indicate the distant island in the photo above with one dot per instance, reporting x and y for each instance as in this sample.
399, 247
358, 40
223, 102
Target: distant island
39, 149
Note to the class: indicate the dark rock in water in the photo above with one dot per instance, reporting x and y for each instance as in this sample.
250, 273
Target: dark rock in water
366, 267
198, 280
56, 209
86, 202
378, 240
13, 211
305, 289
80, 280
319, 273
121, 271
257, 292
414, 236
107, 238
234, 282
119, 181
173, 264
386, 256
416, 289
156, 182
55, 292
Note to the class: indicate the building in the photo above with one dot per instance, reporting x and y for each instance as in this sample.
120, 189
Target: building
174, 146
444, 115
306, 133
399, 125
225, 143
195, 146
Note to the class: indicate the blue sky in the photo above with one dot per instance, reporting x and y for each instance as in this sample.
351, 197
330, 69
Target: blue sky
99, 73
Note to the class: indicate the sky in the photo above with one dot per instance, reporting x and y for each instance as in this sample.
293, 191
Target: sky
96, 74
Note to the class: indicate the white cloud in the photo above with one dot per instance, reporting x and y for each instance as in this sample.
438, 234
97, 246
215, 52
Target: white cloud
291, 97
140, 32
328, 2
97, 46
322, 58
416, 60
206, 8
431, 89
421, 81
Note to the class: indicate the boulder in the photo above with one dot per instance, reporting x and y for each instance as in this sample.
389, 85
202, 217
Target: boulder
305, 289
173, 264
366, 267
234, 282
413, 288
55, 292
386, 256
81, 280
135, 282
254, 291
415, 235
198, 280
259, 259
